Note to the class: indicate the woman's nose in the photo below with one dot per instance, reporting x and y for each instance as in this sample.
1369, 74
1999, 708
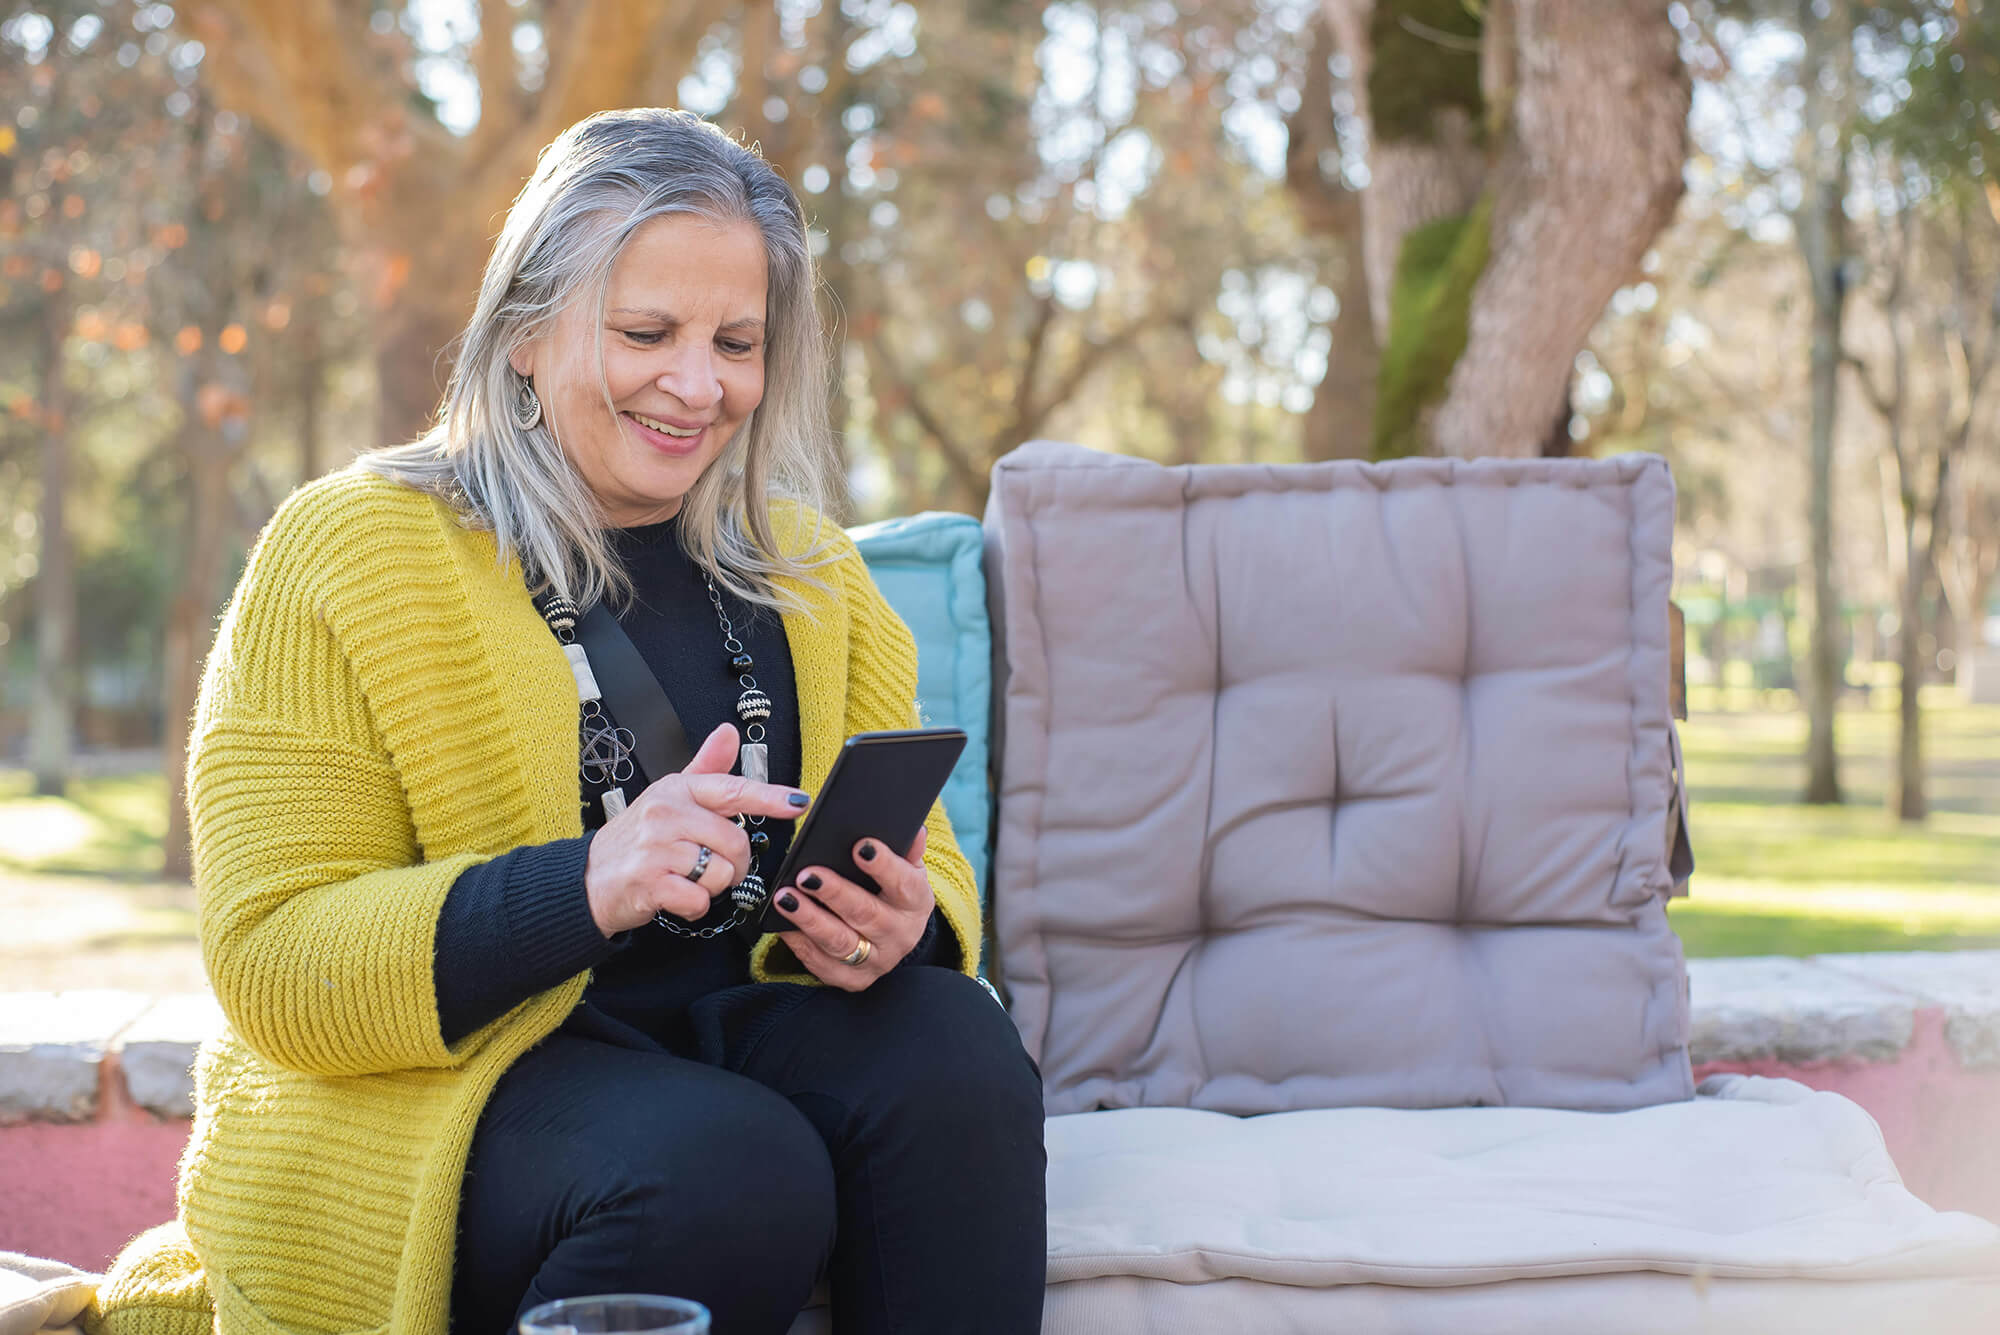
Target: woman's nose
690, 377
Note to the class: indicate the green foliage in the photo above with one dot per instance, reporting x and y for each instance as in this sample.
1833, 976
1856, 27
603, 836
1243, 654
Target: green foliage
1948, 117
1429, 305
1426, 61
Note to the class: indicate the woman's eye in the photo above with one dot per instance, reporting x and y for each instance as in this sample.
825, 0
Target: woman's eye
644, 337
738, 348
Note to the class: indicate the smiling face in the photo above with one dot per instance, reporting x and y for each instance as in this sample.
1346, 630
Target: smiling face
683, 358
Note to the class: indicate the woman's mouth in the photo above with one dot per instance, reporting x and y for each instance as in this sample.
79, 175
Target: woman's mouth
665, 436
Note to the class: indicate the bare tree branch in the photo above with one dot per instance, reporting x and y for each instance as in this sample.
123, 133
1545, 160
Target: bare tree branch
498, 70
1878, 398
1031, 364
309, 72
1087, 361
958, 455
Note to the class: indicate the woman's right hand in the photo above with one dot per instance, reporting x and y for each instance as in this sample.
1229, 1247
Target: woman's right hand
639, 861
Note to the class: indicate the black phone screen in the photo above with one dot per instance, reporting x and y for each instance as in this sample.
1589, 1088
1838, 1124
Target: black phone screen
881, 787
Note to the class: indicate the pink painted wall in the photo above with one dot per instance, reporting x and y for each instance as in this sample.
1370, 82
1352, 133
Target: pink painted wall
1941, 1121
79, 1192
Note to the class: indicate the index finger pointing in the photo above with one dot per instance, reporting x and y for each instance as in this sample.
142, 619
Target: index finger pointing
732, 795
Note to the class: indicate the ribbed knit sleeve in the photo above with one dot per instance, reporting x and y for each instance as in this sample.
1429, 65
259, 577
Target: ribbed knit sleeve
350, 757
512, 927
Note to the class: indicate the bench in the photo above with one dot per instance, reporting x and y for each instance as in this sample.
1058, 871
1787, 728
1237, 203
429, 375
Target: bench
1334, 820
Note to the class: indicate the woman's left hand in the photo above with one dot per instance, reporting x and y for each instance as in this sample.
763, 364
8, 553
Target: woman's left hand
835, 915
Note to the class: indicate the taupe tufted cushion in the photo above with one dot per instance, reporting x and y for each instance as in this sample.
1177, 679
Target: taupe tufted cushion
1337, 784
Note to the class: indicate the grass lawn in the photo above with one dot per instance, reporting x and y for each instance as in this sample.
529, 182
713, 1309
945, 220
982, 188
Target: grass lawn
80, 888
1777, 878
106, 826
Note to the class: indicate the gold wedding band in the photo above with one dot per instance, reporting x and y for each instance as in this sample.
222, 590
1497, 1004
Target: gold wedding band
858, 956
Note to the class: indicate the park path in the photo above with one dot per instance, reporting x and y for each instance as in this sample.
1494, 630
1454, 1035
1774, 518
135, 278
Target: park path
65, 932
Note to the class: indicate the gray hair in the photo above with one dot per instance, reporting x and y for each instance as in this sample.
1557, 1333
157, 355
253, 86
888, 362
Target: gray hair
597, 184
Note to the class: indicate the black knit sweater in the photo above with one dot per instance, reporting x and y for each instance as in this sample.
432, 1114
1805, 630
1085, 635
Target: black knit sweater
521, 923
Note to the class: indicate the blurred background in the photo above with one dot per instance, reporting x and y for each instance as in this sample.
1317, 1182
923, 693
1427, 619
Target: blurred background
1761, 238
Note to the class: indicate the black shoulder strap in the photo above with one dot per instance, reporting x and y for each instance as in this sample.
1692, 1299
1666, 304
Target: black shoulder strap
632, 695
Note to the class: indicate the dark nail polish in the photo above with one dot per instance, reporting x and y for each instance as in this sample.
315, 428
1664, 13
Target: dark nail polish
866, 852
797, 799
809, 882
788, 901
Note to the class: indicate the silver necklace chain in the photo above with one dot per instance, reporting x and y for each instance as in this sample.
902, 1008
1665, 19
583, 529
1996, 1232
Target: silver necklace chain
752, 708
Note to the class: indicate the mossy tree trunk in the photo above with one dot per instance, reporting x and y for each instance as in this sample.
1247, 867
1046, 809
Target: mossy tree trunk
1522, 156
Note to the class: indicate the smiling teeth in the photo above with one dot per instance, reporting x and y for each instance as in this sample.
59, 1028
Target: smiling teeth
679, 432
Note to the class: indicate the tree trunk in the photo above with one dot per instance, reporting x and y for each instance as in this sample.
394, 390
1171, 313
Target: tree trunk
52, 716
1487, 268
1906, 784
1584, 183
412, 364
1822, 237
190, 623
312, 395
1343, 406
1425, 160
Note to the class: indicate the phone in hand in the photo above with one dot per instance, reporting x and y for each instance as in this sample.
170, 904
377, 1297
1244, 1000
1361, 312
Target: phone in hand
881, 787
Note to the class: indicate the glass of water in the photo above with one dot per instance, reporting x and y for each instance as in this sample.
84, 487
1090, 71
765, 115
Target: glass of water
617, 1314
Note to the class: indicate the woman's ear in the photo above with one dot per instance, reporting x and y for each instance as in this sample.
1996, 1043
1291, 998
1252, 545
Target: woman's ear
522, 359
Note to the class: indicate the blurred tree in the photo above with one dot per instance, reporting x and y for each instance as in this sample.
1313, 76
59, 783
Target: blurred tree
1948, 126
1508, 197
1343, 408
62, 214
1094, 240
1930, 245
150, 213
1898, 290
1827, 74
337, 81
1937, 287
223, 304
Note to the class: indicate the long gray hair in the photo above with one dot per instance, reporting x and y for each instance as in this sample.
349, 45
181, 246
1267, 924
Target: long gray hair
597, 184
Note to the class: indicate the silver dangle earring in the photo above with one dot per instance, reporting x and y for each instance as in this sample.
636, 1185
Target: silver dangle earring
527, 405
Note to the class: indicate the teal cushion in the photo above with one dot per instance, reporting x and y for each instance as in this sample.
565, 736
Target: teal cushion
930, 568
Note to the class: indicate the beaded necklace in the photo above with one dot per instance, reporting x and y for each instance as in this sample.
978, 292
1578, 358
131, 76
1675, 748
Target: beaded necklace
605, 749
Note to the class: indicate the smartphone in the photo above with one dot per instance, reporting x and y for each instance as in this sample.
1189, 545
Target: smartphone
881, 787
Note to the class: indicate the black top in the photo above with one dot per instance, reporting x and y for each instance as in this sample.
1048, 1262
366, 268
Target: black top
521, 923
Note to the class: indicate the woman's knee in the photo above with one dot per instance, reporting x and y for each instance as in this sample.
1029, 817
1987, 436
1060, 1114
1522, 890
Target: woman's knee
747, 1182
596, 1171
964, 1045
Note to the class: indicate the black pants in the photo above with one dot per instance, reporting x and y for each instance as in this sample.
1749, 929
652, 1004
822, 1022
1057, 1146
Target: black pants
888, 1140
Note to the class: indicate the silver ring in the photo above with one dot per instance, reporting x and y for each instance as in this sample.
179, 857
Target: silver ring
701, 856
858, 956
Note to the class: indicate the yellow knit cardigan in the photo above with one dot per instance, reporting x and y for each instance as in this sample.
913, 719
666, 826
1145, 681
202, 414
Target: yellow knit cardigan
383, 709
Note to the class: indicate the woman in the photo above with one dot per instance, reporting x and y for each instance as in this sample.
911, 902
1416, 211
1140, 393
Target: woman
491, 1045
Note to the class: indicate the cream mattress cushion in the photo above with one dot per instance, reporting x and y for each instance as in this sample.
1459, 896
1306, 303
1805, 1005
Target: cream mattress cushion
1755, 1178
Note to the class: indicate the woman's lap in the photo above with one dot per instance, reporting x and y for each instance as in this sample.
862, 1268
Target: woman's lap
907, 1112
595, 1164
